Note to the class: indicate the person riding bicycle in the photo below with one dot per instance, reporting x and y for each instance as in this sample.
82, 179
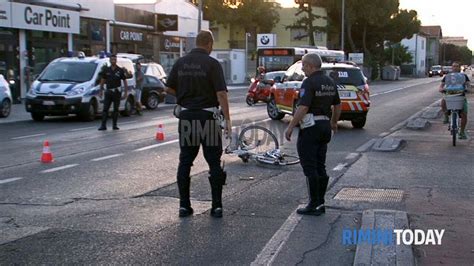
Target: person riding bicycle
455, 82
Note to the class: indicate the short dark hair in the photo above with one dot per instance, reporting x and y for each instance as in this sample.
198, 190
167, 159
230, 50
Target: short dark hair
113, 55
204, 37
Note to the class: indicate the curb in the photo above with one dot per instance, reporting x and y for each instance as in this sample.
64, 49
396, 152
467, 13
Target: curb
368, 254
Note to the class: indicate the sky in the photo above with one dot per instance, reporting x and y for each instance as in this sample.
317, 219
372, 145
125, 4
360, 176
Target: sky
454, 16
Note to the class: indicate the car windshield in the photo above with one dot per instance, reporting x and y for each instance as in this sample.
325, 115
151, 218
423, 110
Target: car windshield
69, 71
273, 75
436, 68
346, 76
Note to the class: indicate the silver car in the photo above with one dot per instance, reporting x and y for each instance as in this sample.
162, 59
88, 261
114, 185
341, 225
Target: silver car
5, 97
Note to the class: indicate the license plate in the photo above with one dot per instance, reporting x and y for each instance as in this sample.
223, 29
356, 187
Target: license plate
346, 94
48, 102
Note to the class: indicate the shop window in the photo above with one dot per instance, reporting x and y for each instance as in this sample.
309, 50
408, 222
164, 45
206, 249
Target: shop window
97, 32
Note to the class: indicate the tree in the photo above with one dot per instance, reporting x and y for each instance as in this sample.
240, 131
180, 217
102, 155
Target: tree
306, 22
397, 54
369, 24
450, 53
251, 15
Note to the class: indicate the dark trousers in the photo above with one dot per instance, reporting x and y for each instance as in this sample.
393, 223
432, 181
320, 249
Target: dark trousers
111, 96
198, 128
312, 147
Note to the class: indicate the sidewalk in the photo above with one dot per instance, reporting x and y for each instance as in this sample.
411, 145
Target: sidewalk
426, 180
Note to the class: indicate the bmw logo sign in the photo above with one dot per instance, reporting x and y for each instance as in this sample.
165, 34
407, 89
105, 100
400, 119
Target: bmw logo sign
264, 40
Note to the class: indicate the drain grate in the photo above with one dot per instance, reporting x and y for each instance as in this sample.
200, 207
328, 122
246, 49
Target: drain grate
370, 194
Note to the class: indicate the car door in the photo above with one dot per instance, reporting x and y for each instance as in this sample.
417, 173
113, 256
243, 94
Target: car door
294, 85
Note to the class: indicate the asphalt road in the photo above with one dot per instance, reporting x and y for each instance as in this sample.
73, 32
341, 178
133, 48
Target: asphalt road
110, 197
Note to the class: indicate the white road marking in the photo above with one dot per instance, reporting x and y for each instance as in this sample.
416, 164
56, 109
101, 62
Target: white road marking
351, 156
339, 167
157, 145
79, 129
29, 136
384, 134
128, 122
276, 243
107, 157
10, 180
59, 168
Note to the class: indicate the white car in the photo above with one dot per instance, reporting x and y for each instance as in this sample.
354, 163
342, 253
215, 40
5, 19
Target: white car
70, 85
5, 98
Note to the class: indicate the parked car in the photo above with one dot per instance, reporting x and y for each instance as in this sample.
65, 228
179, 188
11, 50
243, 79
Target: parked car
351, 84
152, 92
154, 69
5, 98
435, 71
70, 85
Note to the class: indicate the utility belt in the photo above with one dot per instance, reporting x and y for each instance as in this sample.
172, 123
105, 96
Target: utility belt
113, 89
309, 120
216, 113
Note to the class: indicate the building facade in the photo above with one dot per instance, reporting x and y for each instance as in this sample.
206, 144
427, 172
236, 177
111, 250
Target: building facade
34, 34
433, 36
458, 41
417, 48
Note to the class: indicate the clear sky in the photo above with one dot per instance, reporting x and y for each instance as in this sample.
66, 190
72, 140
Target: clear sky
454, 16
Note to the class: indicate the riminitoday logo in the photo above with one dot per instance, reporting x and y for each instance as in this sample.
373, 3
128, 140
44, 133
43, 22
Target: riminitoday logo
392, 237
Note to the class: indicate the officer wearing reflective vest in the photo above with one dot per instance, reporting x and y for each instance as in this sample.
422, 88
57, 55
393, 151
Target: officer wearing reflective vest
198, 82
316, 120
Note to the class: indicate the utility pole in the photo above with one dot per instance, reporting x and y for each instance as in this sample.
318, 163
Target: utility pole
342, 24
200, 15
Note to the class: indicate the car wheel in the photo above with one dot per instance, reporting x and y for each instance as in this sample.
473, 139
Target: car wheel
249, 100
273, 111
152, 101
89, 113
359, 122
128, 107
5, 108
37, 116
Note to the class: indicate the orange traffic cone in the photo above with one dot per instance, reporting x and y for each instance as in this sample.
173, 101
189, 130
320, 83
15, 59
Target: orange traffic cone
46, 156
160, 135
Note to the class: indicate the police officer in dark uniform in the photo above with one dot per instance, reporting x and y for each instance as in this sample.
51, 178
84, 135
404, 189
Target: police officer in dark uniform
198, 82
314, 108
112, 76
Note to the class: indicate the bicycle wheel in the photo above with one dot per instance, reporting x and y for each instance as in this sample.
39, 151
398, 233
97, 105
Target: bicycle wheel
454, 126
257, 139
287, 159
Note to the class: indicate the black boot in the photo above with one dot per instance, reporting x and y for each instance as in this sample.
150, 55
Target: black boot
313, 208
184, 197
216, 190
114, 120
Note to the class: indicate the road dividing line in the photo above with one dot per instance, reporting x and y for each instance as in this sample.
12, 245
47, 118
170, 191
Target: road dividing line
29, 136
59, 168
107, 157
10, 180
351, 156
79, 129
274, 246
128, 122
339, 167
157, 145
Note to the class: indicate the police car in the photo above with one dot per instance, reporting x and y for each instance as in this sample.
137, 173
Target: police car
70, 85
351, 85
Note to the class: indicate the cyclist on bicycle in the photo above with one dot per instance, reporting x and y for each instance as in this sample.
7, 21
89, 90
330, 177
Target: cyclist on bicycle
444, 88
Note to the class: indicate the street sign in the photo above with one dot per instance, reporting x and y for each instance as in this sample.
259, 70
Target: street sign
357, 58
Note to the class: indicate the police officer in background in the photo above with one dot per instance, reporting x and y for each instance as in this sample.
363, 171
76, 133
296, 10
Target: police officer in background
314, 108
112, 76
198, 82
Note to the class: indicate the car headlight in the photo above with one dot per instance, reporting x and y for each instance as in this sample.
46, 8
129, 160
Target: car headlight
76, 91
